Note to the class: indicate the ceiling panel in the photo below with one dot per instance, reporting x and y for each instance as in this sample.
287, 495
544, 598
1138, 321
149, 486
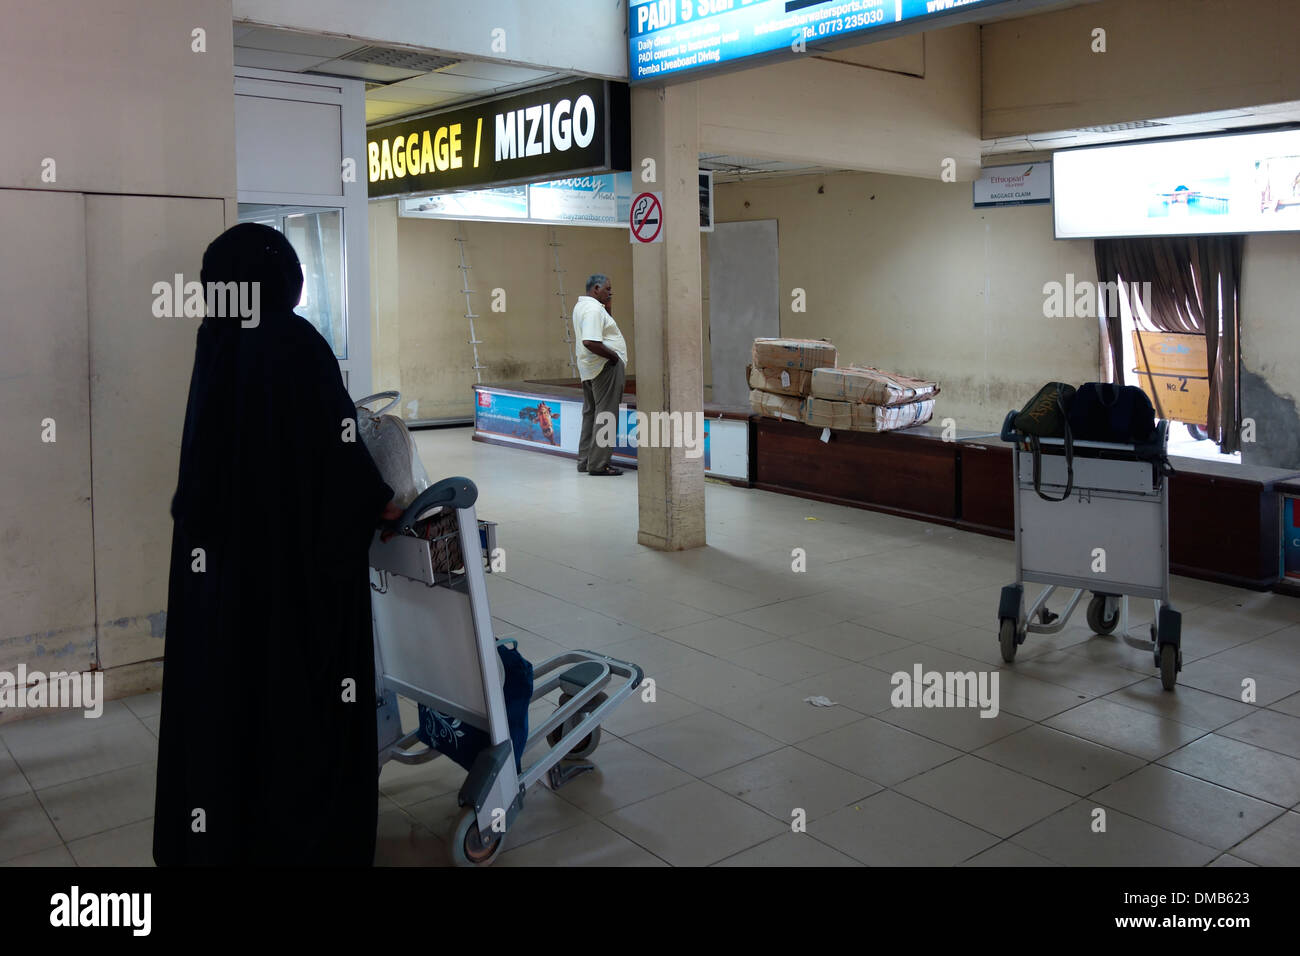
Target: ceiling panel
494, 71
274, 60
449, 83
373, 72
323, 48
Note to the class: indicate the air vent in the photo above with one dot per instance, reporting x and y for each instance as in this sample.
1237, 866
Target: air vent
1119, 127
400, 59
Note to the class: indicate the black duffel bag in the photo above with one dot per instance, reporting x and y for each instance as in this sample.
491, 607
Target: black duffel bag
1104, 412
1047, 415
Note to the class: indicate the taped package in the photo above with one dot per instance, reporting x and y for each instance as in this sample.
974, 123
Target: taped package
824, 414
805, 354
856, 383
769, 405
780, 381
884, 418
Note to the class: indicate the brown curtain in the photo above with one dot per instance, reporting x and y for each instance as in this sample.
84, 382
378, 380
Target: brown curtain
1188, 276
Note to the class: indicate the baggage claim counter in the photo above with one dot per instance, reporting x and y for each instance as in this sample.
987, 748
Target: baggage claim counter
1225, 521
547, 416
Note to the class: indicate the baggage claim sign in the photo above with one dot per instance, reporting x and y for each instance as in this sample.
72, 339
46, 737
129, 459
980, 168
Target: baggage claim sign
557, 131
677, 39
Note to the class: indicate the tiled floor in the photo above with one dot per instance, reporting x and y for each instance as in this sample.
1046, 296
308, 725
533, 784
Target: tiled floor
1087, 763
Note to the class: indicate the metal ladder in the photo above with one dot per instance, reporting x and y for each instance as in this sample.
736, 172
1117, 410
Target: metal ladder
474, 340
564, 303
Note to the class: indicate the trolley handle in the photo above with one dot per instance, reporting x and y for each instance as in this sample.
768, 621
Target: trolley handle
449, 493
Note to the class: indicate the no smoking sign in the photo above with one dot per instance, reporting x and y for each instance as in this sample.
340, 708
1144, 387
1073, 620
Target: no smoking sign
646, 220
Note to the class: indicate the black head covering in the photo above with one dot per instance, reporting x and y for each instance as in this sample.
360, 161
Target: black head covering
250, 252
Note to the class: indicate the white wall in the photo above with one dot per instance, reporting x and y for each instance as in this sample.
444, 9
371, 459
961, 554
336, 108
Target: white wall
140, 126
1163, 58
576, 36
903, 274
419, 332
849, 116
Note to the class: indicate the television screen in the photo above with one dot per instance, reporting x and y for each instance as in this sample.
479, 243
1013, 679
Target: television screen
1205, 185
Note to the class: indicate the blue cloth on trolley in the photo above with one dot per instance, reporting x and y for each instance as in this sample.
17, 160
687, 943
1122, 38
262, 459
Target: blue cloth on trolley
461, 742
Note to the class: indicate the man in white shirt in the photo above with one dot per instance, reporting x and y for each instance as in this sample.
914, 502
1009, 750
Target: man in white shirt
602, 365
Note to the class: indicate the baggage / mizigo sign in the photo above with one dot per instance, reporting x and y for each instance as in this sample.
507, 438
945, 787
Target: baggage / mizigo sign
557, 131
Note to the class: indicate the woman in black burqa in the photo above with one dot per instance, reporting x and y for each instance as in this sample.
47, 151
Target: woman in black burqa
267, 748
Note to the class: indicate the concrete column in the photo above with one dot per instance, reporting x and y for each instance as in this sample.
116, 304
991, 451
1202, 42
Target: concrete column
666, 296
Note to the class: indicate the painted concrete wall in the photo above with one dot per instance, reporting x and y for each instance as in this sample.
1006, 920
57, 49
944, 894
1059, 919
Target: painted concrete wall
1270, 349
578, 36
419, 332
130, 111
848, 116
901, 273
1163, 58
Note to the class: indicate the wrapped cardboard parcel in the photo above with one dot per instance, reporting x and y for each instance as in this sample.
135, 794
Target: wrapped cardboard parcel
870, 385
806, 354
788, 407
780, 381
824, 414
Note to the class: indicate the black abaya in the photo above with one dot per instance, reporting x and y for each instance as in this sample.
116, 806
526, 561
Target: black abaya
267, 747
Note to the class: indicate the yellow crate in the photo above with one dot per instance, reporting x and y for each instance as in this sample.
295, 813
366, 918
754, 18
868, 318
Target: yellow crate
1182, 398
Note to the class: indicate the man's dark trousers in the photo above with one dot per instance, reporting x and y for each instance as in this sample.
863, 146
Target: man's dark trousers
600, 394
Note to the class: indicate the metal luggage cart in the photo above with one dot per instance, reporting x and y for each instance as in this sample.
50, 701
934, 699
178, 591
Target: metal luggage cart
1110, 536
434, 645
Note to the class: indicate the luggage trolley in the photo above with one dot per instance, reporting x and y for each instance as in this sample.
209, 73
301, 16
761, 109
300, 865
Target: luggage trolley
434, 645
1110, 536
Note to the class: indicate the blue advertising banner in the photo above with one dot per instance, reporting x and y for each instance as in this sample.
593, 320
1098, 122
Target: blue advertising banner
667, 37
1290, 538
628, 436
518, 417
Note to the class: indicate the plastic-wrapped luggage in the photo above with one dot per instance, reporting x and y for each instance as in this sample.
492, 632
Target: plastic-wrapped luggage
393, 449
883, 418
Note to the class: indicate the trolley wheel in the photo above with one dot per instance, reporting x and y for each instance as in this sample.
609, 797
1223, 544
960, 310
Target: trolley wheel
1007, 639
468, 848
588, 744
1097, 619
1168, 656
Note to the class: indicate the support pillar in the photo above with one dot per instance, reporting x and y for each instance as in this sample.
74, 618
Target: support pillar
667, 299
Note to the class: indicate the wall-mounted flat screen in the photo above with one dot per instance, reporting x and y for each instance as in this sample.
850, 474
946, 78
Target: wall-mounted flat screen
1205, 185
677, 39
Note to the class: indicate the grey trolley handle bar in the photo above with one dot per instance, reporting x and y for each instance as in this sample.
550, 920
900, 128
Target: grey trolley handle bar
448, 493
393, 397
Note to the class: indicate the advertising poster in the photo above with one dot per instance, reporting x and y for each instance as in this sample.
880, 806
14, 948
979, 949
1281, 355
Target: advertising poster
582, 200
628, 436
667, 37
522, 418
1290, 538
